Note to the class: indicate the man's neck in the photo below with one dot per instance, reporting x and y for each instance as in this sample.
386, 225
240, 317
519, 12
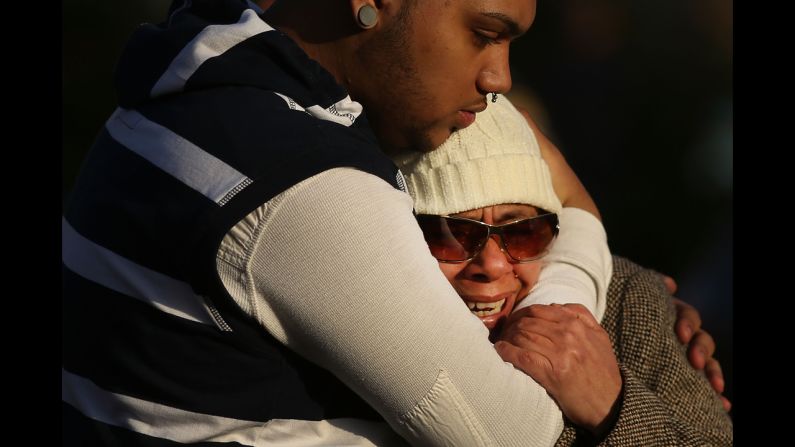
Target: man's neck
322, 34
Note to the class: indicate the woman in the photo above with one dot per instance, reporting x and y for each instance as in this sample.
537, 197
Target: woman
487, 208
493, 173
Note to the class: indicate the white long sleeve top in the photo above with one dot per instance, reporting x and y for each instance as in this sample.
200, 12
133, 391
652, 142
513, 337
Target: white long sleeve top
578, 267
356, 290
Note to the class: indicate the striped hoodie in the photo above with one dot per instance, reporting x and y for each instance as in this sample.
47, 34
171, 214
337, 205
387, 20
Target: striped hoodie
218, 113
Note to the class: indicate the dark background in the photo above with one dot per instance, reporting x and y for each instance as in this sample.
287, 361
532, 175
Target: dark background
636, 93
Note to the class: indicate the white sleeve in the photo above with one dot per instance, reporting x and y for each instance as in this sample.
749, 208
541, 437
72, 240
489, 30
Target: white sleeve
340, 273
578, 267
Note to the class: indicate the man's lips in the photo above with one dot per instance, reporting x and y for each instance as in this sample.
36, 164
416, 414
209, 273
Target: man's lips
465, 119
467, 116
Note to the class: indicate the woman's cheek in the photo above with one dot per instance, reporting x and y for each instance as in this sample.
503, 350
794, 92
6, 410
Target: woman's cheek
527, 275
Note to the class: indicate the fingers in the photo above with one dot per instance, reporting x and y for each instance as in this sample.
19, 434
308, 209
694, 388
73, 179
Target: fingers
529, 362
556, 312
712, 369
703, 342
715, 375
726, 404
537, 326
532, 333
567, 337
688, 320
574, 363
549, 312
701, 348
670, 284
582, 313
558, 323
696, 358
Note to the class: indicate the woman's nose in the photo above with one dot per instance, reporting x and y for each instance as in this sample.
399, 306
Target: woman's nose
490, 264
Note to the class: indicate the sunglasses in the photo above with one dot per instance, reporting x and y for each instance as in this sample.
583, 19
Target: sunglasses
457, 239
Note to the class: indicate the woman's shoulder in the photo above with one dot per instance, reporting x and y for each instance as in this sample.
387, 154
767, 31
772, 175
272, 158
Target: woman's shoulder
633, 282
638, 301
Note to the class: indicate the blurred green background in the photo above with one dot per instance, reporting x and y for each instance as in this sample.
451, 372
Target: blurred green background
637, 94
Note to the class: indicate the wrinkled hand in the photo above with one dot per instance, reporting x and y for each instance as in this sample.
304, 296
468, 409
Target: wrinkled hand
567, 352
701, 345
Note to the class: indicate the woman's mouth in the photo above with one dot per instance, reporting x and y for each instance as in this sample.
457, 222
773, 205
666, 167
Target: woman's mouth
481, 309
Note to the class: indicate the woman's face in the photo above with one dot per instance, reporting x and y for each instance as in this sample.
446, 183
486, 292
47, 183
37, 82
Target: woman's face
491, 283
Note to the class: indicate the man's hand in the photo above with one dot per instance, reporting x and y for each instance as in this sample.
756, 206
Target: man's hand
567, 352
701, 345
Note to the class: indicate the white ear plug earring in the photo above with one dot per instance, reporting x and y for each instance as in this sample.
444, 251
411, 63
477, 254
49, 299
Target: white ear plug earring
367, 16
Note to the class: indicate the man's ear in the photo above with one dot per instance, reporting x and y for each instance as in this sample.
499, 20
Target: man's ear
365, 13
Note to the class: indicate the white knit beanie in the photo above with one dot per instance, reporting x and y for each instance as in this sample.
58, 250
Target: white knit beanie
494, 161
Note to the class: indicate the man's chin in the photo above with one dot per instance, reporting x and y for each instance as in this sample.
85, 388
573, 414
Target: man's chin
413, 142
430, 141
418, 145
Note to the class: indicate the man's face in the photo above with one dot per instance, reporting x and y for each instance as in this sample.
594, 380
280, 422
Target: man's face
430, 66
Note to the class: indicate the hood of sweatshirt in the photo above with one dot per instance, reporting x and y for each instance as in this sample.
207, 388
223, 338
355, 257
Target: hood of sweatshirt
205, 44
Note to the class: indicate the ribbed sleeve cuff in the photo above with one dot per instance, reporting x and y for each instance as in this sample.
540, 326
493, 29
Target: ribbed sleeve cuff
578, 267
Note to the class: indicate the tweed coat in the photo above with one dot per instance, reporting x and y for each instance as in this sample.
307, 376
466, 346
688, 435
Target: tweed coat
665, 402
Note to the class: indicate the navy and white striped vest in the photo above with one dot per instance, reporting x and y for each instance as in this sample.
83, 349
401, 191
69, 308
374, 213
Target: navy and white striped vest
218, 114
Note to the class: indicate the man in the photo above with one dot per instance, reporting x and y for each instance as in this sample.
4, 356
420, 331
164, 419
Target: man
239, 187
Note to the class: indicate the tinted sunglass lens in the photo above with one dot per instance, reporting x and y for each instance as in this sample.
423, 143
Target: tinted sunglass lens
528, 239
451, 239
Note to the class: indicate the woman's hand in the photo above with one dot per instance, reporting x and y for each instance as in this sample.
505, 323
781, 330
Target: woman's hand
565, 350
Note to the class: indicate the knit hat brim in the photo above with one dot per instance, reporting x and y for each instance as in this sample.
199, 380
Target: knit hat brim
497, 160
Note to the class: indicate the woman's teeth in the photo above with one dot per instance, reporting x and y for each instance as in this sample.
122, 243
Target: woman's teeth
485, 309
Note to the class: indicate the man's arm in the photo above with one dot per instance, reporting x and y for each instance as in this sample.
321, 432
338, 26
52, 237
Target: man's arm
662, 400
700, 345
339, 272
567, 185
578, 267
572, 193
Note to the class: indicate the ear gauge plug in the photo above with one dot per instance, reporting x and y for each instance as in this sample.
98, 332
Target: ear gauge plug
367, 16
